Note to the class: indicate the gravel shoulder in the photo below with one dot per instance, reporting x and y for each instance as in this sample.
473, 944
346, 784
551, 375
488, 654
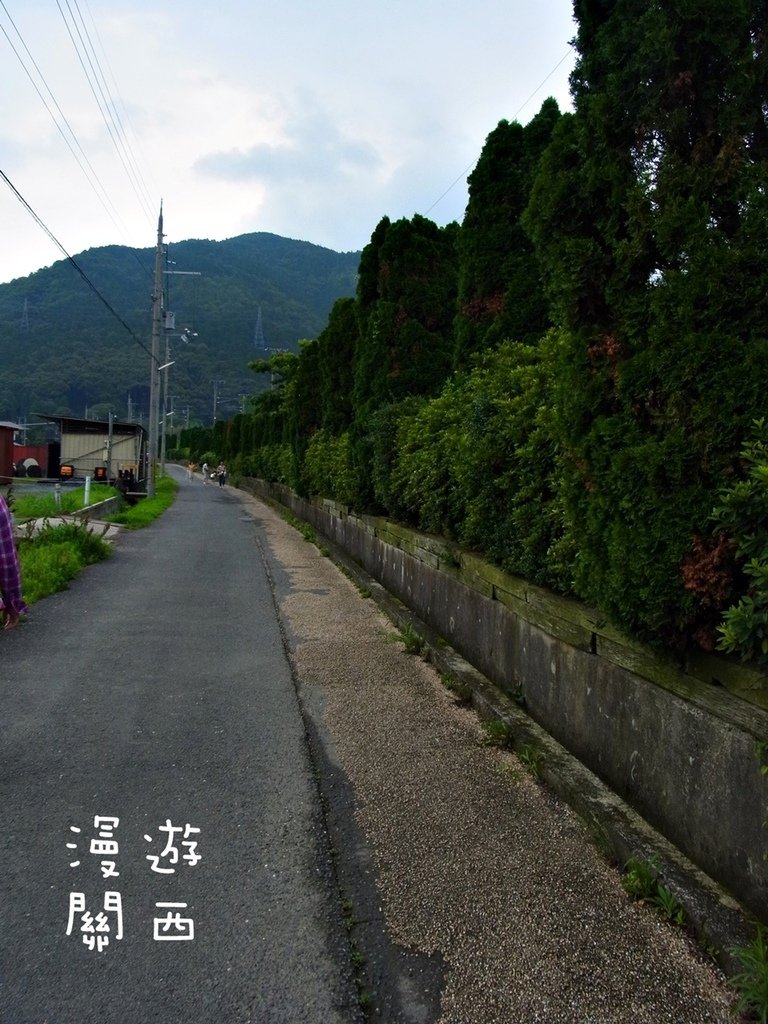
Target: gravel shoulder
486, 886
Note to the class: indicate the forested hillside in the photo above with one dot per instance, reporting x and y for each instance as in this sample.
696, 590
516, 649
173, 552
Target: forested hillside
574, 380
63, 351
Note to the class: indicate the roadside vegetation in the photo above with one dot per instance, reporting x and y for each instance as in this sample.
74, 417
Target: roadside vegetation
38, 506
144, 512
58, 552
55, 556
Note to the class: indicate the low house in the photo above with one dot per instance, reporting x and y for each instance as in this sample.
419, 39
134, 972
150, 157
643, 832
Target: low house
102, 449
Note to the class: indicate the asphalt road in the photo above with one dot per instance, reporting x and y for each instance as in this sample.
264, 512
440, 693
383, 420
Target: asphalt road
156, 691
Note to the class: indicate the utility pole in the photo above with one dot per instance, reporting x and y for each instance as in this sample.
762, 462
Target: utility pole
154, 384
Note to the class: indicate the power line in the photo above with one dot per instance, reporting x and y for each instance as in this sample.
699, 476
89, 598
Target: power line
540, 86
97, 85
116, 89
74, 262
90, 173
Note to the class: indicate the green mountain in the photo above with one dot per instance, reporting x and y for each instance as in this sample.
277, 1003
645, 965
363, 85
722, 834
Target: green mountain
78, 344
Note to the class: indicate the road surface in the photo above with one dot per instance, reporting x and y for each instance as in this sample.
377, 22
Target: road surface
151, 707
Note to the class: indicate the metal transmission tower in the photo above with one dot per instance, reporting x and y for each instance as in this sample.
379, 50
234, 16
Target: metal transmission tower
24, 325
258, 334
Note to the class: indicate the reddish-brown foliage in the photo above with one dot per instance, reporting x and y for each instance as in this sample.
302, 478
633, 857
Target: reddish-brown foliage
483, 306
708, 570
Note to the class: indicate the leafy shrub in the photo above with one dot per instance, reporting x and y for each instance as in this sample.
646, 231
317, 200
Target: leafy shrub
752, 981
509, 469
742, 517
328, 466
422, 484
480, 462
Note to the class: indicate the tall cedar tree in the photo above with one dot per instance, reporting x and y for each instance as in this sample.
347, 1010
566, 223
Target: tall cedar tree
500, 290
406, 299
650, 216
337, 344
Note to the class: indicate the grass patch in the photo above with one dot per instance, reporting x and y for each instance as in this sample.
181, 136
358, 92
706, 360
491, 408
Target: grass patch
145, 511
52, 559
40, 506
58, 553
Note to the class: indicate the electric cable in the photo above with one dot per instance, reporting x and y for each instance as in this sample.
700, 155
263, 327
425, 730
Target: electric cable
73, 261
135, 175
464, 173
98, 95
90, 173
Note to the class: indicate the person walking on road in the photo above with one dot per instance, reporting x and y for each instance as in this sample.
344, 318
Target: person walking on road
221, 473
11, 603
204, 471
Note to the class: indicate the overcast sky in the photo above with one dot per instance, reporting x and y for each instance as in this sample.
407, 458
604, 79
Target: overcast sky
310, 120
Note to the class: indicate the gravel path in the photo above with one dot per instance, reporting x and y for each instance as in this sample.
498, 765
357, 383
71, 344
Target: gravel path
475, 861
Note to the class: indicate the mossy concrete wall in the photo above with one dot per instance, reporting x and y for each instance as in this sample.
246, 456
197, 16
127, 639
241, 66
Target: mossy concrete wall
679, 742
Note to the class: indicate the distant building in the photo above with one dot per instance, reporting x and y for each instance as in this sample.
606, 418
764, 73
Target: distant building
101, 449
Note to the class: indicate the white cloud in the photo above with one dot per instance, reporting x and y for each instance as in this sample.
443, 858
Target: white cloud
312, 121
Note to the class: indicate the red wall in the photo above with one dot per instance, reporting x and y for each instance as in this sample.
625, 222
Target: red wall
6, 454
32, 451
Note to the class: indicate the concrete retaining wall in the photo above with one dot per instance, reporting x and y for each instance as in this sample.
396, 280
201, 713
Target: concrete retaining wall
678, 743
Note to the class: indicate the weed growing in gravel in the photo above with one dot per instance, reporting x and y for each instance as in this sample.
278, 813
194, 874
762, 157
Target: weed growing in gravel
641, 881
356, 955
306, 530
669, 905
641, 877
361, 588
752, 982
462, 692
414, 644
497, 734
531, 760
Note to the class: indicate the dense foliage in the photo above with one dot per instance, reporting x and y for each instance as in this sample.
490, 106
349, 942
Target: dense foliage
650, 217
